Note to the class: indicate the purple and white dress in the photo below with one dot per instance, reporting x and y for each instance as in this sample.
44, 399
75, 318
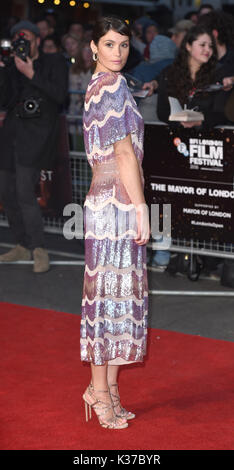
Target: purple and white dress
115, 289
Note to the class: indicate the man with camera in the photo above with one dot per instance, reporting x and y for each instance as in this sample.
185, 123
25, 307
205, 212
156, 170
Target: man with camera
33, 86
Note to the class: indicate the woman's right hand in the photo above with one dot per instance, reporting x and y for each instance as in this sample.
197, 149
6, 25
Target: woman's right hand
228, 83
191, 123
143, 226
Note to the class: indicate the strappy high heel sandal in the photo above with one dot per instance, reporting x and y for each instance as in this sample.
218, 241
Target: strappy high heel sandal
101, 408
116, 402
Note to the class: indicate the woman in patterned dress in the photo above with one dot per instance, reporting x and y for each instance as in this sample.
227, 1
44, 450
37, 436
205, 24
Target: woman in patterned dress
116, 221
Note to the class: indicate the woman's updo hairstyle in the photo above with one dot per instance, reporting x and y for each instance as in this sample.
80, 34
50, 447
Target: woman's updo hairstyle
108, 23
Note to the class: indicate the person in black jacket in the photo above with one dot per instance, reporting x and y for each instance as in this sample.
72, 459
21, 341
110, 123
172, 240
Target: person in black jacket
29, 140
222, 26
194, 68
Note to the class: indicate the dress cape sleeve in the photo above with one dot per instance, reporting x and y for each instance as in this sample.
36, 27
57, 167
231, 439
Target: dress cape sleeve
111, 112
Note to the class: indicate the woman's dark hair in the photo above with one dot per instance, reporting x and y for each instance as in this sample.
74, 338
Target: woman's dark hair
223, 23
180, 82
108, 23
52, 37
190, 14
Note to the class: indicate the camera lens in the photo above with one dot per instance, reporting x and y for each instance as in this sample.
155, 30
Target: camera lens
30, 106
21, 47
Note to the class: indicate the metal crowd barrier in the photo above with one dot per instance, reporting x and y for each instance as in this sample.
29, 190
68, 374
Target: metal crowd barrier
81, 175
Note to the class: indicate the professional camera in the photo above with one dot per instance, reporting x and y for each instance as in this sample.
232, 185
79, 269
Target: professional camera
5, 51
29, 108
21, 47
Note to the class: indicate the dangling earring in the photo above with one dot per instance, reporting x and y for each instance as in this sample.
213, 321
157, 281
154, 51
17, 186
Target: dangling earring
95, 56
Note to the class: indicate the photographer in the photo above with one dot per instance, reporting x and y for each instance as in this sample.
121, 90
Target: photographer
33, 86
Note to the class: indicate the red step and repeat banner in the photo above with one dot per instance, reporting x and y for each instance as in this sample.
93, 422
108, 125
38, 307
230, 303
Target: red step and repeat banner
54, 191
193, 171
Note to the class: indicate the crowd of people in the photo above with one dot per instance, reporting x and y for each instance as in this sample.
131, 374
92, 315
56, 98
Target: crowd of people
178, 62
153, 49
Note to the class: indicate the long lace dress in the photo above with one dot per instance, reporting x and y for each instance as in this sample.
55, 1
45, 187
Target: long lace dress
115, 288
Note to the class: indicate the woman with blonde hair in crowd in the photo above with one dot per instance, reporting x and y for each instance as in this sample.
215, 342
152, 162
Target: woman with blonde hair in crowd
71, 45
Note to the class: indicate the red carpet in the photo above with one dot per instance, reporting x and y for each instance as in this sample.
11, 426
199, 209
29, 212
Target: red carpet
183, 395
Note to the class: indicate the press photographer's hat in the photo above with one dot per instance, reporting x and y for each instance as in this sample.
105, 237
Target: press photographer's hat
25, 24
181, 26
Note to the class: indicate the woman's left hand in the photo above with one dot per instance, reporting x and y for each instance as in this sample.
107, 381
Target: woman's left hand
151, 86
191, 123
143, 225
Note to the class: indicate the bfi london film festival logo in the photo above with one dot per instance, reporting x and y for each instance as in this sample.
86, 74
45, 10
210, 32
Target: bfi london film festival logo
118, 224
202, 153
